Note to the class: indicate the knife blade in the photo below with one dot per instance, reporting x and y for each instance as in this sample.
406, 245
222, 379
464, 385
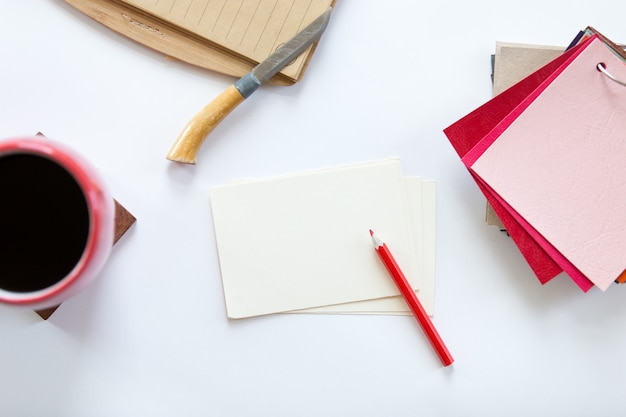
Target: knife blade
189, 141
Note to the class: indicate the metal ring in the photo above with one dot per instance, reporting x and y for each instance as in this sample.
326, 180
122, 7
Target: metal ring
602, 68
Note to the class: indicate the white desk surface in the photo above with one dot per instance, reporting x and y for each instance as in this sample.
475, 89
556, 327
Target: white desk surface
151, 337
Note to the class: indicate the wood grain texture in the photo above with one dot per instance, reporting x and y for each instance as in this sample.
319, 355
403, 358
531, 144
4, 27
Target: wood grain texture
162, 36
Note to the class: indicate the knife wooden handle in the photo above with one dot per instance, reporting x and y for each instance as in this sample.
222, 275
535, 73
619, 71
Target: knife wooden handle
198, 128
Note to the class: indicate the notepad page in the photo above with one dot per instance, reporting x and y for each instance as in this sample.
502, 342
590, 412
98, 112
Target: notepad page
251, 28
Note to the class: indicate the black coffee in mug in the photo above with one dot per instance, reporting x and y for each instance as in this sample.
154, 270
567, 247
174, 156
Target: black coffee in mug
44, 222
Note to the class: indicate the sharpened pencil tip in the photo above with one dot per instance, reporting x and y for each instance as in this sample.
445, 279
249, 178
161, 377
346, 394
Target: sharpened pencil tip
375, 240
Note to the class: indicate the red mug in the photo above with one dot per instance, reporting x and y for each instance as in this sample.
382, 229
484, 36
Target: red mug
57, 222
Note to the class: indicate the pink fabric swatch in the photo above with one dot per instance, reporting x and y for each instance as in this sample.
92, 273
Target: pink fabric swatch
467, 132
555, 163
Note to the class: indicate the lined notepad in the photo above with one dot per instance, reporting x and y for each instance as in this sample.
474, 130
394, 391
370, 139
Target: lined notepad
226, 36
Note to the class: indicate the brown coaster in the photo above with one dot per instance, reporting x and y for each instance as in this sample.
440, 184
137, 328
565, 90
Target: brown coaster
123, 221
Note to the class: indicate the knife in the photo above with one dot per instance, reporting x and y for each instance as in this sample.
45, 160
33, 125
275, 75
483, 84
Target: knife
197, 129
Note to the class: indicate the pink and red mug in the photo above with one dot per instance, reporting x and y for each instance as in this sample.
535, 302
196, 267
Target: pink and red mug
57, 222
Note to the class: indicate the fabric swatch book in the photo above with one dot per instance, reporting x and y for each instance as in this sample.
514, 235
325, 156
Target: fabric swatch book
300, 243
227, 37
545, 153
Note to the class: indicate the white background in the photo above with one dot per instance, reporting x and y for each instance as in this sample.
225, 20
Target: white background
151, 337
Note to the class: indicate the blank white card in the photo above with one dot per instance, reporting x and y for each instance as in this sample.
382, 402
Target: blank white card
302, 241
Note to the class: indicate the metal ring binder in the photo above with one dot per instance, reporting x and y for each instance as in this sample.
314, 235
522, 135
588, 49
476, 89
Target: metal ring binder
602, 68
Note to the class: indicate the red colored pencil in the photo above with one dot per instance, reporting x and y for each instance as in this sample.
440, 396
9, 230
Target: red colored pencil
412, 300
